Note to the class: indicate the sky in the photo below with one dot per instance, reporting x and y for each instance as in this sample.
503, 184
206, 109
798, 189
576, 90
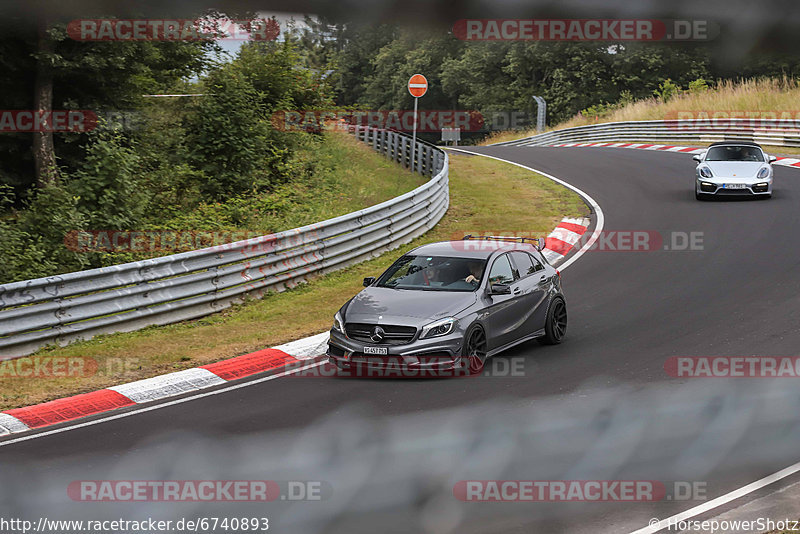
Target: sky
232, 46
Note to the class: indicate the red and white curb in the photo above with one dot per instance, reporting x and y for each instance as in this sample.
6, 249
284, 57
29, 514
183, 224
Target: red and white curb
563, 238
786, 162
294, 355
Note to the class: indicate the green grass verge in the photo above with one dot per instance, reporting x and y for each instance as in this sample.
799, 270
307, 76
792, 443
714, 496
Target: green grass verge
485, 196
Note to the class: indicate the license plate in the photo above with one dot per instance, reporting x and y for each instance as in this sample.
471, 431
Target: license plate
380, 351
734, 186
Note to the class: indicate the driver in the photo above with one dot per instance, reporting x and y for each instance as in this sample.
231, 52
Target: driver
475, 269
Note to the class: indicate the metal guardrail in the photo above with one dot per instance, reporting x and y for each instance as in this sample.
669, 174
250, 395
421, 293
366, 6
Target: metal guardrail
120, 298
775, 132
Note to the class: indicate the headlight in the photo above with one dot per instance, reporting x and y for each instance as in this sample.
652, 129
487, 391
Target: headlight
763, 172
338, 323
705, 172
441, 327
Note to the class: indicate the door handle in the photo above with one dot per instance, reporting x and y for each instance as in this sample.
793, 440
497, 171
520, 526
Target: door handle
517, 291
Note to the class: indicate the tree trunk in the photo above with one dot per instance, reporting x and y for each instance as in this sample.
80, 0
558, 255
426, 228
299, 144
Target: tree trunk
44, 155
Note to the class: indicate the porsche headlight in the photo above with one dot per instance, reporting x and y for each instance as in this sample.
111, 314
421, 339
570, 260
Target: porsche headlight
441, 327
705, 172
763, 172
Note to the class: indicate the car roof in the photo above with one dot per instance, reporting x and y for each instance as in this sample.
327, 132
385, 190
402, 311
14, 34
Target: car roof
472, 248
735, 143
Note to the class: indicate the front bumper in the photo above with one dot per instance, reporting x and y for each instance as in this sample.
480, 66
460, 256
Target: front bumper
722, 186
438, 353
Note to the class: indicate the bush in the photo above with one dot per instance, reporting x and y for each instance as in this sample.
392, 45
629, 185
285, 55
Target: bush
107, 185
698, 86
667, 90
231, 140
32, 241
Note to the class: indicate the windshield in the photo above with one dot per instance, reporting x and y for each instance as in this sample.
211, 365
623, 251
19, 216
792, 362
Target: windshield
734, 153
434, 273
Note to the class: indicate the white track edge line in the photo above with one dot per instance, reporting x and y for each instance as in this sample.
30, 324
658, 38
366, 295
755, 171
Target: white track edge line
588, 199
719, 501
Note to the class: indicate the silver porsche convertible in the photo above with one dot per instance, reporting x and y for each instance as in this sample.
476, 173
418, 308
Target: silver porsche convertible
736, 168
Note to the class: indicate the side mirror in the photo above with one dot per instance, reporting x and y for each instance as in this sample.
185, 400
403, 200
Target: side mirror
772, 158
697, 158
368, 281
500, 289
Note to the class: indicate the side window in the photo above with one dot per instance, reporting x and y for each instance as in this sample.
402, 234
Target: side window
537, 265
501, 271
524, 263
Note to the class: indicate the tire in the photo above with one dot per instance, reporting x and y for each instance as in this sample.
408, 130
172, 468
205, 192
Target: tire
475, 349
555, 324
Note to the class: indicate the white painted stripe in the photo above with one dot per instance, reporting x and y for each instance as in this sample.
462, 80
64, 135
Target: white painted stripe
551, 256
656, 147
567, 236
169, 385
675, 148
10, 425
787, 161
598, 211
582, 221
418, 85
636, 145
719, 501
231, 387
306, 348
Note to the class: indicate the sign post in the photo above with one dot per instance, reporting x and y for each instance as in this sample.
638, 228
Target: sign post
541, 112
417, 86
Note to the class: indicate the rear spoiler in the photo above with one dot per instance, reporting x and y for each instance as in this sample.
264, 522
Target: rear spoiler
538, 242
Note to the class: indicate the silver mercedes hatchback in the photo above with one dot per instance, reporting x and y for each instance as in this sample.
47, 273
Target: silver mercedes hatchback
451, 305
